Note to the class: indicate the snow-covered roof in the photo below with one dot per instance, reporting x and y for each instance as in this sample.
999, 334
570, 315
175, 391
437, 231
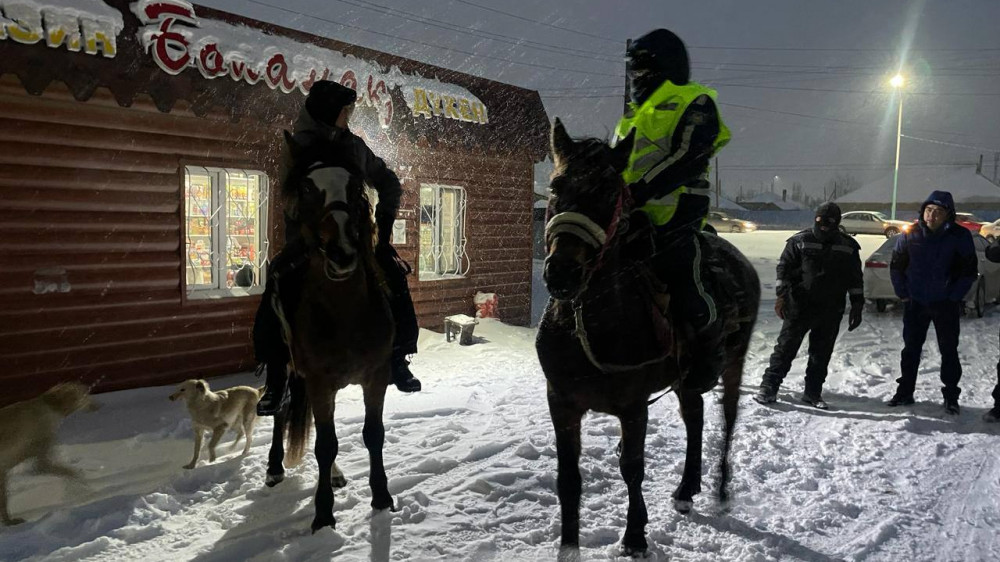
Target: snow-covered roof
775, 199
915, 184
724, 204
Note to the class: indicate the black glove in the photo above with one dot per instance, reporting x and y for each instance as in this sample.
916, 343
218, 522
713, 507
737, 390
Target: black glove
855, 318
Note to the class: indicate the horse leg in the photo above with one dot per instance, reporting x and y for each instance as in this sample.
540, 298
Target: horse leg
374, 436
693, 414
632, 464
566, 420
731, 379
276, 455
326, 454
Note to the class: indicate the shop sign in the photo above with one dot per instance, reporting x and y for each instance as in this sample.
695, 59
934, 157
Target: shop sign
177, 39
61, 24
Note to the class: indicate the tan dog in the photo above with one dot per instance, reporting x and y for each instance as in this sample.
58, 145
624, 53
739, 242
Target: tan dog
234, 407
28, 431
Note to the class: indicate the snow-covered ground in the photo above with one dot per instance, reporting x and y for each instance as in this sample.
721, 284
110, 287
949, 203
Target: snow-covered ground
471, 464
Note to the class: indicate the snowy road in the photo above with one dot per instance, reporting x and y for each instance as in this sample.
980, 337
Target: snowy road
471, 464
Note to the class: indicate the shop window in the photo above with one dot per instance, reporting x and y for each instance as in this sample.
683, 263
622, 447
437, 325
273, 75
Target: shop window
226, 244
442, 232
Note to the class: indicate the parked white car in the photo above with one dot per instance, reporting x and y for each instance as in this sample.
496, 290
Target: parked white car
872, 222
878, 285
990, 230
725, 223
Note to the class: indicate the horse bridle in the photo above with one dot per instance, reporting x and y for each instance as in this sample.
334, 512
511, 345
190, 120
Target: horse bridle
584, 228
591, 233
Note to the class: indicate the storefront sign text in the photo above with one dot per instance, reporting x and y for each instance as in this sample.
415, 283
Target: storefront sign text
30, 23
176, 39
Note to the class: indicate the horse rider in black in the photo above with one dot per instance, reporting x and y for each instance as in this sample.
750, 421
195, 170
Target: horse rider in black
323, 119
818, 267
678, 130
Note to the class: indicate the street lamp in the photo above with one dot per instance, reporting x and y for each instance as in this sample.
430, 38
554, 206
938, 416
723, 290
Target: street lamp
897, 83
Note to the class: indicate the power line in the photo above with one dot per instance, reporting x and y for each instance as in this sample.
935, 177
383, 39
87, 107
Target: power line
517, 41
847, 166
452, 49
868, 92
552, 25
951, 143
822, 118
841, 49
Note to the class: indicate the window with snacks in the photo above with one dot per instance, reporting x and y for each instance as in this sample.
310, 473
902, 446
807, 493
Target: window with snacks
442, 232
225, 222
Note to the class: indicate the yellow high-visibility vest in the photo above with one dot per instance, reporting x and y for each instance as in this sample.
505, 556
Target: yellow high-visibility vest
654, 122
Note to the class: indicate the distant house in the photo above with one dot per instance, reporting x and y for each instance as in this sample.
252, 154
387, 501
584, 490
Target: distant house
723, 204
771, 202
969, 188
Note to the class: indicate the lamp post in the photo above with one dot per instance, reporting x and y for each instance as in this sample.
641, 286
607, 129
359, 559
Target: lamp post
897, 82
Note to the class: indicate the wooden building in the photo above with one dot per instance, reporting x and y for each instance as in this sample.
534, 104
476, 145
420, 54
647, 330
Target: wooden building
138, 157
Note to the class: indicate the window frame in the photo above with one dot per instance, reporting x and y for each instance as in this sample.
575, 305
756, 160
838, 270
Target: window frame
218, 230
463, 263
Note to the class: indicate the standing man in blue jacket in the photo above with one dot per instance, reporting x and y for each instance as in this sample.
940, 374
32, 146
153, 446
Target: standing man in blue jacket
933, 267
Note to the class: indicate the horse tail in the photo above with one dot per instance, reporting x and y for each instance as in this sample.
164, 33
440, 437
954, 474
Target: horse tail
297, 421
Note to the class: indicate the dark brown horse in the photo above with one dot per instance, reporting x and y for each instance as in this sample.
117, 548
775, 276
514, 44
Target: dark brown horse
341, 331
603, 346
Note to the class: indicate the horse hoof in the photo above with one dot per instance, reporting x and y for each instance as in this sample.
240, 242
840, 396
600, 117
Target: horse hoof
273, 480
320, 522
636, 552
338, 481
683, 506
568, 554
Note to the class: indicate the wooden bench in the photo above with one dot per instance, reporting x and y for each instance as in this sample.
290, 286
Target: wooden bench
459, 325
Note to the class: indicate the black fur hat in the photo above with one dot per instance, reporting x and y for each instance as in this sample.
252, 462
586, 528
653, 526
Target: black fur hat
326, 99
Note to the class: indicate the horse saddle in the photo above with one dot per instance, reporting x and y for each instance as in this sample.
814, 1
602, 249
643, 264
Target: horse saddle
720, 284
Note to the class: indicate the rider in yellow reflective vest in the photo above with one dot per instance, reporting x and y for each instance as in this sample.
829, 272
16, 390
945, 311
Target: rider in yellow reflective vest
678, 130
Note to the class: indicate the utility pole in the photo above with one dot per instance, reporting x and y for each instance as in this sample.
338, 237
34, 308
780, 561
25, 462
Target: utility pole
628, 92
996, 163
718, 185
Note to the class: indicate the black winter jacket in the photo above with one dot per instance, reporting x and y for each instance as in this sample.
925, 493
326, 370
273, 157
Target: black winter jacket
377, 174
814, 276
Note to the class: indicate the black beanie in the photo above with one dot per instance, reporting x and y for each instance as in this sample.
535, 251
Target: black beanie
326, 99
829, 211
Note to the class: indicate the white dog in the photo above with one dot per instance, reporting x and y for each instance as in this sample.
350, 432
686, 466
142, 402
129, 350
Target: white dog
234, 407
28, 431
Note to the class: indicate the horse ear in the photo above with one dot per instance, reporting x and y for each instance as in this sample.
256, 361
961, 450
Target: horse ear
560, 140
622, 150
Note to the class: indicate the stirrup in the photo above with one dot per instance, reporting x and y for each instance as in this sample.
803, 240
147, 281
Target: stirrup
266, 405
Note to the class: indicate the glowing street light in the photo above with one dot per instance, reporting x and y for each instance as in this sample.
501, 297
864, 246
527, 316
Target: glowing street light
897, 83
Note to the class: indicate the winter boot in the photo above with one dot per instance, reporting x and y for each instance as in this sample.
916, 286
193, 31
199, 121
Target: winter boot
814, 399
951, 406
900, 400
766, 395
275, 395
402, 377
993, 415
